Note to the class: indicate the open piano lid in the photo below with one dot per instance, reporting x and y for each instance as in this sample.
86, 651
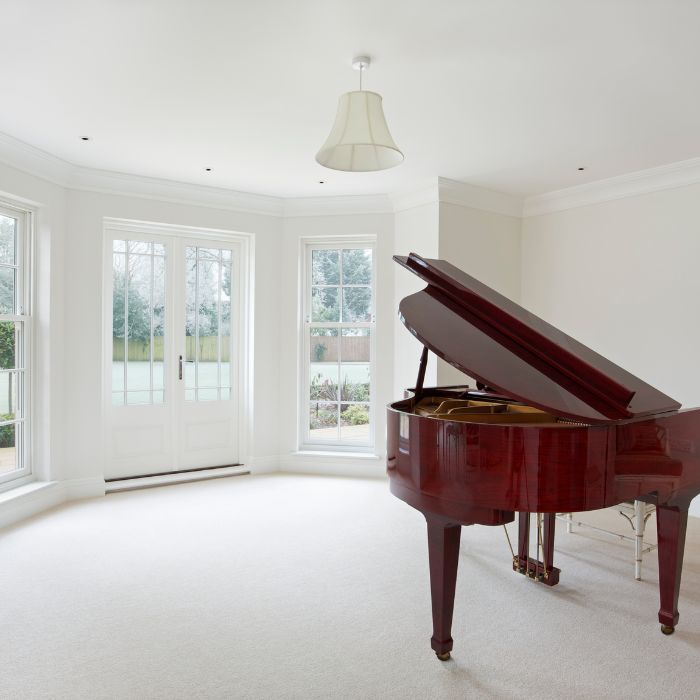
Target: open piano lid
512, 351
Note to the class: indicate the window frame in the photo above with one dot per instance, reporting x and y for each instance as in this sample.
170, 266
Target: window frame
24, 351
308, 245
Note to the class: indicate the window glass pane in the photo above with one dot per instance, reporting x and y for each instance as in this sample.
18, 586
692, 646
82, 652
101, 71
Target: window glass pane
323, 381
189, 395
8, 240
357, 266
357, 304
323, 345
117, 398
324, 304
324, 267
208, 322
158, 397
323, 421
354, 423
354, 382
7, 290
8, 340
225, 394
190, 372
158, 249
143, 247
119, 246
8, 448
138, 397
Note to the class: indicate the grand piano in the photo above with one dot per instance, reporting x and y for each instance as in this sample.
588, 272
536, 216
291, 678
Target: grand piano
551, 426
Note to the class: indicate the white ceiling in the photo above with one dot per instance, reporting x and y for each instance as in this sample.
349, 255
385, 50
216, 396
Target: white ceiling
503, 94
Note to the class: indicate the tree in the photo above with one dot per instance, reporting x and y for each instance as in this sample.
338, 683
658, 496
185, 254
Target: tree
326, 266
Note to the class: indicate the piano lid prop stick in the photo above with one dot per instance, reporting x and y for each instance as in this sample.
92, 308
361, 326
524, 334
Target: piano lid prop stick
421, 374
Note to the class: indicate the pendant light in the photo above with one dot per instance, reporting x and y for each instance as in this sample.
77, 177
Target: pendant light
359, 140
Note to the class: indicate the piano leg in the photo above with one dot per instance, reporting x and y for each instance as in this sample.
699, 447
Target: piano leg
671, 522
443, 553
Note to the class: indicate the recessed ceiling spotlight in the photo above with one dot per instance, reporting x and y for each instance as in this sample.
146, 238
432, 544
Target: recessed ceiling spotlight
207, 170
582, 168
321, 182
84, 138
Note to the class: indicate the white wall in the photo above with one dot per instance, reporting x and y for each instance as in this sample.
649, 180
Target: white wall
622, 277
83, 320
486, 245
416, 230
307, 227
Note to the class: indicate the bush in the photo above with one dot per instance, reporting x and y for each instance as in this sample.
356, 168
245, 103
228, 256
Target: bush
7, 432
356, 415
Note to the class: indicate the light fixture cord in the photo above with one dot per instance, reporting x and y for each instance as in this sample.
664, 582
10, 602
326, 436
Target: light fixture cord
361, 69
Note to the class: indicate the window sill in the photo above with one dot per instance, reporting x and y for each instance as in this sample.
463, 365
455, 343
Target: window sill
29, 499
340, 454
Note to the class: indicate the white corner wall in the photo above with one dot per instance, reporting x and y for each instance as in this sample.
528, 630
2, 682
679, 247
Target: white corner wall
622, 277
49, 204
296, 230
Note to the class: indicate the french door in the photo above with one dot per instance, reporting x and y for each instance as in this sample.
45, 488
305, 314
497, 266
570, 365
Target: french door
172, 352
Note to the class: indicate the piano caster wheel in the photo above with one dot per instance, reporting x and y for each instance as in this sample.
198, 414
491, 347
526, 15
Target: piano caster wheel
667, 629
443, 657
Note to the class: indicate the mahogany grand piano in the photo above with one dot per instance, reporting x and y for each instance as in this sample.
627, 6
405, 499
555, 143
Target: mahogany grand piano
550, 427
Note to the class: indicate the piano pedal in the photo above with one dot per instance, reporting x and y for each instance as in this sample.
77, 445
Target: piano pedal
536, 571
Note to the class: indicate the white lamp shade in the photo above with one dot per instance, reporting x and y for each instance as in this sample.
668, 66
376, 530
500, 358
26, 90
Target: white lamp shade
359, 140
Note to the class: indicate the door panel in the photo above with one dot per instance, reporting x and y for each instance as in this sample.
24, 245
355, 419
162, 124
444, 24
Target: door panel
171, 366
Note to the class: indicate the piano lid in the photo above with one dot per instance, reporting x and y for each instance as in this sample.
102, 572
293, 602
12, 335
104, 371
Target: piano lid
499, 343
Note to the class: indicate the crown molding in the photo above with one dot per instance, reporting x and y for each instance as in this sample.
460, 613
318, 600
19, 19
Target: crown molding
465, 195
29, 159
428, 193
107, 182
664, 177
343, 205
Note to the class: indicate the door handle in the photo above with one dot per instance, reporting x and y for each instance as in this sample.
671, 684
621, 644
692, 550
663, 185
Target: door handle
181, 361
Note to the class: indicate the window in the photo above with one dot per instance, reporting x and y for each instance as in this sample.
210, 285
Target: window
337, 395
14, 343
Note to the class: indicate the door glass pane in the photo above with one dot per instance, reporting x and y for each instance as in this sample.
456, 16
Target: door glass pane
208, 287
138, 322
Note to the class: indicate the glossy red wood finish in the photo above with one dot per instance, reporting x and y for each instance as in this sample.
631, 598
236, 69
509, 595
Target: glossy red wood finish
513, 351
466, 473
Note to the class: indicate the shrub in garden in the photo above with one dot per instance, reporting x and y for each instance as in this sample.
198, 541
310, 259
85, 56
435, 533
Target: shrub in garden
356, 415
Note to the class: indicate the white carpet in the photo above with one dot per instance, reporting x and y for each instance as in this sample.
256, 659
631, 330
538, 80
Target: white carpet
312, 587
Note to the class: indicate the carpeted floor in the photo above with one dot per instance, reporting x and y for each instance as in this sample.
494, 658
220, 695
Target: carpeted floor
312, 587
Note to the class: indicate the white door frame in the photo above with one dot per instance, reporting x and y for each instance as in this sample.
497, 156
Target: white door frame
112, 228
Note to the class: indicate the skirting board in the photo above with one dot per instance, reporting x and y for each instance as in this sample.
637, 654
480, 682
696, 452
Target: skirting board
334, 464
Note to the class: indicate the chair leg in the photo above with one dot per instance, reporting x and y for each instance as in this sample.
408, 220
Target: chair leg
639, 524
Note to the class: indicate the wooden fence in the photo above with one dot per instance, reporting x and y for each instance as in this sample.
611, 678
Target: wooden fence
355, 348
141, 352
